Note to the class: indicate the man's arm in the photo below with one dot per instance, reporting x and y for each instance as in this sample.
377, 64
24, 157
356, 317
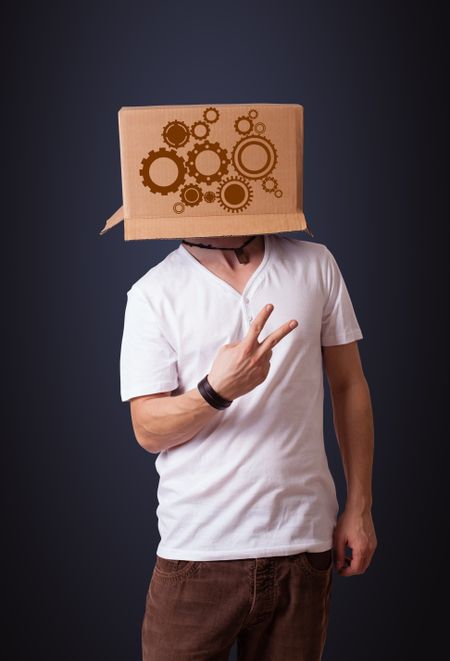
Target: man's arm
161, 421
353, 423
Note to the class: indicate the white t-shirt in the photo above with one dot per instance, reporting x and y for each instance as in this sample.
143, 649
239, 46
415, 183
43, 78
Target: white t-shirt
255, 481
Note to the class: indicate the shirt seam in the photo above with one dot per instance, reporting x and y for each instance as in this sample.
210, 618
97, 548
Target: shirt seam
350, 333
153, 387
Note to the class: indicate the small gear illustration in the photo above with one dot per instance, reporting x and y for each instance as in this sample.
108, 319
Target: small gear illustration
200, 130
278, 192
260, 127
269, 184
152, 159
252, 113
207, 162
243, 125
191, 195
175, 134
254, 156
209, 196
178, 207
211, 115
234, 194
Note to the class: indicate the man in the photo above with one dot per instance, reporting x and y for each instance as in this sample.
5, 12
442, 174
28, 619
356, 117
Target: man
229, 394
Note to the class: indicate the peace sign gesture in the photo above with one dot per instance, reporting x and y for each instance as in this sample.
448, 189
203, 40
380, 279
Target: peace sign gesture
241, 366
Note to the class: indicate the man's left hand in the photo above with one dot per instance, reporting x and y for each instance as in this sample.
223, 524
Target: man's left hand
354, 529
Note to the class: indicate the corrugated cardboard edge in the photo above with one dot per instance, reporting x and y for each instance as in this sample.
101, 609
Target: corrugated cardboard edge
299, 132
264, 223
174, 228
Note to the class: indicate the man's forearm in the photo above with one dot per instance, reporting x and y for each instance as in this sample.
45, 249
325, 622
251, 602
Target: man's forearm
170, 421
353, 423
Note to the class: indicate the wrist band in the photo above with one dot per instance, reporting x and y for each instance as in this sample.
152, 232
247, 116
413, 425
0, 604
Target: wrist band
212, 397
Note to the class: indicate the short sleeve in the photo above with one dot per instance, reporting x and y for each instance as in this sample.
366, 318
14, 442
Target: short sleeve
148, 363
339, 322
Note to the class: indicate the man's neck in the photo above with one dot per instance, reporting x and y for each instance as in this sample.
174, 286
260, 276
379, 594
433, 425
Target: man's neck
226, 259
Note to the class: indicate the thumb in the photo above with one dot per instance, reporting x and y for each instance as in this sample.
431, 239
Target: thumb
230, 345
339, 551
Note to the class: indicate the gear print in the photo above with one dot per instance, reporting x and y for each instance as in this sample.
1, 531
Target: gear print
253, 157
243, 125
209, 196
152, 158
175, 134
245, 148
269, 184
219, 161
200, 130
178, 207
191, 195
235, 194
211, 115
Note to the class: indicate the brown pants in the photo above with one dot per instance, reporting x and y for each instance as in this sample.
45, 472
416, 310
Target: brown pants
276, 608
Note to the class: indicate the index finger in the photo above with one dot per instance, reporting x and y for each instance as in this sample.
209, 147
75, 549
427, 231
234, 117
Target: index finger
276, 335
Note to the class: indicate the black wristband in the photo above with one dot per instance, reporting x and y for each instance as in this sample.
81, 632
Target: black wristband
212, 397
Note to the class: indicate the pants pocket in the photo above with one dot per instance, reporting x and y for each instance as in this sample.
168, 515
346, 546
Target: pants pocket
319, 562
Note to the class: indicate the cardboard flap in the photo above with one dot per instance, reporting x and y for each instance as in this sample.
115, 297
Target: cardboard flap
116, 218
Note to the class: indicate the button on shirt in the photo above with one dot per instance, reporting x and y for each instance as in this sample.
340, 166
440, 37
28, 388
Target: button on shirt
255, 480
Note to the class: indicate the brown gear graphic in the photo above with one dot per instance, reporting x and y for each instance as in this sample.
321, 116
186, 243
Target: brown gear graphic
269, 184
200, 130
175, 134
234, 194
154, 156
243, 125
211, 115
242, 161
178, 207
252, 113
278, 192
260, 127
194, 156
209, 196
191, 195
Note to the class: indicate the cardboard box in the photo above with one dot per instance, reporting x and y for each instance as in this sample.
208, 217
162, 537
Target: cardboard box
218, 170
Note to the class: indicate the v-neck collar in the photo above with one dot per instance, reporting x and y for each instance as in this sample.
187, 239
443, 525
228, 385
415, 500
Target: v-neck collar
265, 260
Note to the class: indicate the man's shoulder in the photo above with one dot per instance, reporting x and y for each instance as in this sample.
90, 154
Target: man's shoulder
155, 280
307, 249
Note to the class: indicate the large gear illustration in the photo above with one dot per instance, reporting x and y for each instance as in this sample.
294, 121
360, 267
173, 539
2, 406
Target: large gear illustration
207, 162
163, 154
234, 194
175, 134
191, 194
254, 156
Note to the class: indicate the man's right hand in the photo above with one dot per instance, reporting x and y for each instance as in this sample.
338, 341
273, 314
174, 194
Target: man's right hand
241, 366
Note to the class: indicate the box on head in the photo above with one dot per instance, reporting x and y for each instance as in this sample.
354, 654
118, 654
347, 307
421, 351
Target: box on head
210, 170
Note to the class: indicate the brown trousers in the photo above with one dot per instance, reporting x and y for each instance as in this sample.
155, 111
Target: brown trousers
276, 608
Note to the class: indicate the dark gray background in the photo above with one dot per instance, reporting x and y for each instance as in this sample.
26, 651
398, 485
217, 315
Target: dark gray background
80, 493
